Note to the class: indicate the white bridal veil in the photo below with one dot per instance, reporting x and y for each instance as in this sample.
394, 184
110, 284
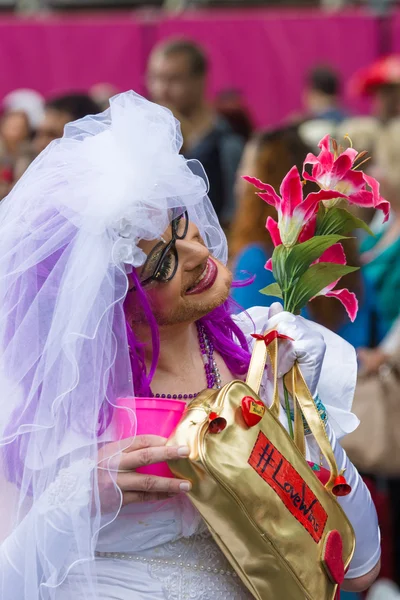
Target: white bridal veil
68, 236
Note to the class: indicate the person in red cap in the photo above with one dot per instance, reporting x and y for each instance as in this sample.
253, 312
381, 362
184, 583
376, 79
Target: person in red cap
381, 80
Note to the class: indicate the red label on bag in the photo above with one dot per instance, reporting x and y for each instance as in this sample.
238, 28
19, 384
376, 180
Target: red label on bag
291, 488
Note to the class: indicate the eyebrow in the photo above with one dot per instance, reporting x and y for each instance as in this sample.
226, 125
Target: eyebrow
154, 254
157, 250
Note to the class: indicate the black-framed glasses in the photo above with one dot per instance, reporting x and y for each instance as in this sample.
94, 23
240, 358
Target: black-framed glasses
162, 262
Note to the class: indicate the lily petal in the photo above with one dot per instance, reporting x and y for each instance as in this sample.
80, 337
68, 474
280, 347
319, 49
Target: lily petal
341, 166
310, 204
319, 170
334, 254
308, 230
374, 185
271, 198
351, 153
325, 143
367, 199
291, 191
268, 265
307, 176
384, 206
351, 183
256, 182
348, 299
273, 229
379, 202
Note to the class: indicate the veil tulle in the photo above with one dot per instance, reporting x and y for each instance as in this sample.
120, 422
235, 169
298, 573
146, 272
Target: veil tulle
68, 237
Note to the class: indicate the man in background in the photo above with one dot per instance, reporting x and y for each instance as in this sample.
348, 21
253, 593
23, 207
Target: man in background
58, 112
321, 96
177, 78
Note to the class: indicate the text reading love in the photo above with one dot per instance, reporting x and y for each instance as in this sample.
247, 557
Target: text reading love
298, 498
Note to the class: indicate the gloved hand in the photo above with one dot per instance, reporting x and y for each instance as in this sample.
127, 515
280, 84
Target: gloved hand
308, 346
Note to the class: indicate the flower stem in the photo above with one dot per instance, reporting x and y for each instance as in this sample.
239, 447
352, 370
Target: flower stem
287, 408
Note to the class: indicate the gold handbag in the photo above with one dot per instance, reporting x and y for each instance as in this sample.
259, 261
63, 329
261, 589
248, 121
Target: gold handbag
282, 531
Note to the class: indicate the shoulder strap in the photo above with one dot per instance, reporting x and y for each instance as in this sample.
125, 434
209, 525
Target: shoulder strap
303, 401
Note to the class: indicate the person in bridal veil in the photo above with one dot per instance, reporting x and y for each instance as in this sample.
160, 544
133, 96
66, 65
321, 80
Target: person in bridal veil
113, 284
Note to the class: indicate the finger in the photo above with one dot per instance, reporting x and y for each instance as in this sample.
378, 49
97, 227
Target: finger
286, 359
111, 454
135, 497
150, 455
140, 482
143, 441
281, 319
274, 309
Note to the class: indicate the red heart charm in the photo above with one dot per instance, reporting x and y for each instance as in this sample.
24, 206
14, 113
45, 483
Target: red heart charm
332, 557
253, 410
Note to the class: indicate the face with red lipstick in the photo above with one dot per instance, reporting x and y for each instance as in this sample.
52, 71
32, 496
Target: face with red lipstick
182, 281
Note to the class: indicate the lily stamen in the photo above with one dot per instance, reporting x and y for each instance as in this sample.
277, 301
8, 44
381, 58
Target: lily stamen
361, 163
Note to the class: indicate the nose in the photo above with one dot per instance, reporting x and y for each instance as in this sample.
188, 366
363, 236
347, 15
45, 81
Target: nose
192, 251
159, 90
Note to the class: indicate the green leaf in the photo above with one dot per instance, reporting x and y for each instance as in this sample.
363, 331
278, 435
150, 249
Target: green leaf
321, 213
302, 255
339, 221
272, 290
313, 281
279, 270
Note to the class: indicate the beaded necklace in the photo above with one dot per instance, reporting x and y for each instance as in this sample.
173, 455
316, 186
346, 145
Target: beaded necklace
213, 376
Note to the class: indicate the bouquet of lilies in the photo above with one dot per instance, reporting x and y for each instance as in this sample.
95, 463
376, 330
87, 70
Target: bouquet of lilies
309, 259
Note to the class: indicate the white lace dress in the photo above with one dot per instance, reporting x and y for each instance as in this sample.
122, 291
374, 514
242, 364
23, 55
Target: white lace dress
186, 565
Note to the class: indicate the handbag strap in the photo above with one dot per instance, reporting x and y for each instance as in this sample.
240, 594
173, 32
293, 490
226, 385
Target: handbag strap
299, 391
257, 367
303, 401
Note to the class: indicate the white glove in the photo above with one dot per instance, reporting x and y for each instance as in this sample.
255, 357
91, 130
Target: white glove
308, 346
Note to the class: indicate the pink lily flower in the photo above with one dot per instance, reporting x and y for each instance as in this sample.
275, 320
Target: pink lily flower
334, 170
293, 210
335, 254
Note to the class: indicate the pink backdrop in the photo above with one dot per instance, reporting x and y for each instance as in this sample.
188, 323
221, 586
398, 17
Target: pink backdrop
395, 31
264, 54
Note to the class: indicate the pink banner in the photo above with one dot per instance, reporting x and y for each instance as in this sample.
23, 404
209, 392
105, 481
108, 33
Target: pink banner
264, 54
58, 54
395, 31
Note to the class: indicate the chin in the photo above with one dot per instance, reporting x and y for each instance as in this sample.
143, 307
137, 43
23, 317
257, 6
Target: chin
215, 296
197, 306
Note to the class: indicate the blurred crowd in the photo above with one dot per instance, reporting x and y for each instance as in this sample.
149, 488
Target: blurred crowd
222, 137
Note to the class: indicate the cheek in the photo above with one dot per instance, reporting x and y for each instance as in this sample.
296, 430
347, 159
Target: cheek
165, 297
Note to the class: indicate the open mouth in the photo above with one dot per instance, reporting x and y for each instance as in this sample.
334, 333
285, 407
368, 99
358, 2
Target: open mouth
205, 280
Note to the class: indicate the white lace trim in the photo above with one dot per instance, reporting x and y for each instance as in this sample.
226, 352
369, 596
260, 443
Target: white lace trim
189, 569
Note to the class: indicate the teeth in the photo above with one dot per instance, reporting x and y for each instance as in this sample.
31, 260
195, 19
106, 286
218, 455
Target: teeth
202, 276
204, 273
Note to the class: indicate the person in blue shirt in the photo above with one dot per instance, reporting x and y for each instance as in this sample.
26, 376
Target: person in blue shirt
321, 96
